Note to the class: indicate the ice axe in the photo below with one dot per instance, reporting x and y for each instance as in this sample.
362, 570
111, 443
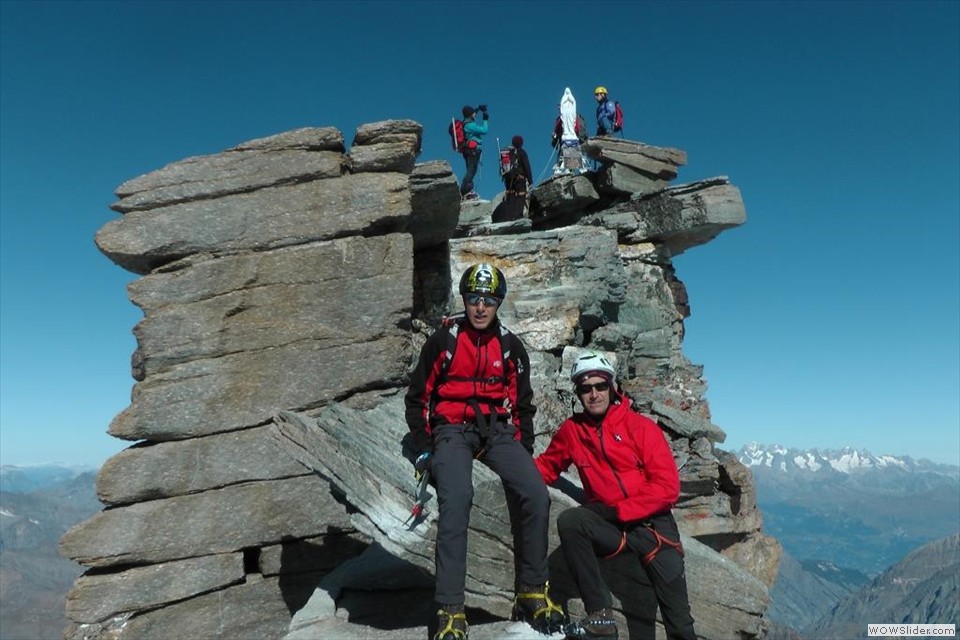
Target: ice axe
422, 496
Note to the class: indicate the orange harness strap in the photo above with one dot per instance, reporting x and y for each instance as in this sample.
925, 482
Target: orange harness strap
623, 544
647, 559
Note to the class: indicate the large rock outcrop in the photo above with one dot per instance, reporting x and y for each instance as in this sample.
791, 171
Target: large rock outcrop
287, 284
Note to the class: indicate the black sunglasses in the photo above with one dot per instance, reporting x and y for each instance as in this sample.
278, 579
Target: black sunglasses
488, 301
584, 389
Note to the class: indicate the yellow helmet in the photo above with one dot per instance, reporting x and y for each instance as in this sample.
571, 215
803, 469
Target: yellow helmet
600, 89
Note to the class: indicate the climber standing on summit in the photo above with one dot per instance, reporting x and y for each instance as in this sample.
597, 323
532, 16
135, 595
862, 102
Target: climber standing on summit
470, 399
631, 483
516, 183
473, 132
606, 113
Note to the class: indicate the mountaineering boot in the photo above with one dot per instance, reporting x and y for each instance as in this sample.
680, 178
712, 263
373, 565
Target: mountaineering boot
598, 625
534, 606
470, 197
451, 623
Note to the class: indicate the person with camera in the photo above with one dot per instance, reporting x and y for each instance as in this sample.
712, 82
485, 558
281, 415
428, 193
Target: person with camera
473, 132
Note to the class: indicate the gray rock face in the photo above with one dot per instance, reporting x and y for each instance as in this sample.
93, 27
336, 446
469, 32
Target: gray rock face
287, 285
221, 394
564, 195
169, 469
655, 162
96, 598
434, 194
289, 290
295, 156
258, 220
386, 131
254, 610
680, 217
620, 180
244, 515
310, 138
229, 339
392, 145
225, 174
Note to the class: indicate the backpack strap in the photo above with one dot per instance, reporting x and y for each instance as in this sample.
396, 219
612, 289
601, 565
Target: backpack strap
504, 336
451, 329
452, 324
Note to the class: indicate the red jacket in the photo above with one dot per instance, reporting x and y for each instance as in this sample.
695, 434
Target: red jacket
624, 463
478, 371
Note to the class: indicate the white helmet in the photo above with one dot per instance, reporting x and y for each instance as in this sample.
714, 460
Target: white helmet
592, 363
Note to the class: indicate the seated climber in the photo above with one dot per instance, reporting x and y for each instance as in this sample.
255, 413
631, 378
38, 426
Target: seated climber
631, 483
470, 399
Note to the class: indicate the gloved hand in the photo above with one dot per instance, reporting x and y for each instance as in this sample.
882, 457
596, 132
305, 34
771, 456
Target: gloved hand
420, 441
482, 107
422, 464
606, 512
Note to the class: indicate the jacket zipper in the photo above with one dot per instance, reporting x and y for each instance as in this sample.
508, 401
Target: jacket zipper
606, 458
477, 380
476, 377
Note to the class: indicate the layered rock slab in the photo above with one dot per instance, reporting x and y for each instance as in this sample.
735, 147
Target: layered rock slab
224, 342
267, 218
224, 520
293, 156
676, 218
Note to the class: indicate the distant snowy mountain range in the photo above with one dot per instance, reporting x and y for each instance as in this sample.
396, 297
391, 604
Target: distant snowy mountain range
846, 460
850, 507
843, 517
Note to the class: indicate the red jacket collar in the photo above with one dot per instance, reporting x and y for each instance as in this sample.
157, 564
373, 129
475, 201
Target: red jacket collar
618, 404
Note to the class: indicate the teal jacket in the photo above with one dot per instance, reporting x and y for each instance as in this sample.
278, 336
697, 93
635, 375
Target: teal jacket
472, 130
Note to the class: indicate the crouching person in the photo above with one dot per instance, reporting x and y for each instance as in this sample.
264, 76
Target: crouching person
631, 482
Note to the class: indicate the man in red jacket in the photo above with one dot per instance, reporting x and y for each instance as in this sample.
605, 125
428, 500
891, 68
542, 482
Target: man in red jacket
631, 482
470, 399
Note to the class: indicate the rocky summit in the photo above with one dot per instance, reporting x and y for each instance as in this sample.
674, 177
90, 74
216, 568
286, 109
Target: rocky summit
287, 285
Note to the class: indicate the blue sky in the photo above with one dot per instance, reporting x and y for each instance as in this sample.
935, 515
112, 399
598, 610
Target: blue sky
830, 319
